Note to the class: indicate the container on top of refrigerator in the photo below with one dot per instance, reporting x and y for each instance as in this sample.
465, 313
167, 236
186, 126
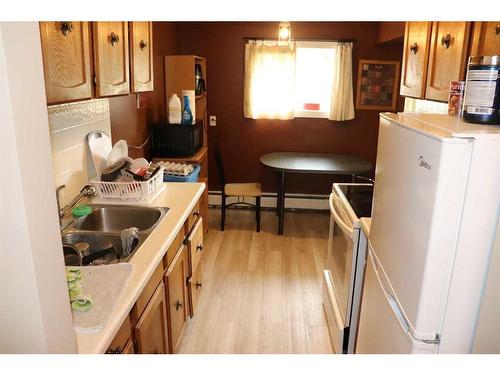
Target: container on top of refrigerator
482, 90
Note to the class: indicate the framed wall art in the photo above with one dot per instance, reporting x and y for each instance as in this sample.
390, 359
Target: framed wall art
377, 85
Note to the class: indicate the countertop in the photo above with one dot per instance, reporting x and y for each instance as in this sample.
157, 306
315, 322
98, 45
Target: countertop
181, 198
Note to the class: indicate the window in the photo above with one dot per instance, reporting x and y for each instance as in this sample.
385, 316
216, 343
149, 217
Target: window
300, 79
314, 69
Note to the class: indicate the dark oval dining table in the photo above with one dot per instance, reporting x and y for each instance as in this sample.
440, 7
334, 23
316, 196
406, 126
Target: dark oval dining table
314, 163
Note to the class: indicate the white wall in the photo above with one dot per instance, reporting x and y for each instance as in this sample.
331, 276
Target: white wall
69, 124
35, 316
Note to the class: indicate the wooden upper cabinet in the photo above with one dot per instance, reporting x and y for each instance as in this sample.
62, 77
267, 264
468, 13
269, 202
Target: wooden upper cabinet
151, 332
111, 58
485, 39
66, 61
415, 58
448, 58
141, 55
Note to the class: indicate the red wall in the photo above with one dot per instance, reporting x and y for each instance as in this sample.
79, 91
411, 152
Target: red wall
242, 140
130, 123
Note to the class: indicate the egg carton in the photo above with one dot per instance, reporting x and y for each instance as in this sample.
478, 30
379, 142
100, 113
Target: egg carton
177, 169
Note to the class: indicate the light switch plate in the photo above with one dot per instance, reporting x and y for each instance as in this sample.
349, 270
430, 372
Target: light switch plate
213, 120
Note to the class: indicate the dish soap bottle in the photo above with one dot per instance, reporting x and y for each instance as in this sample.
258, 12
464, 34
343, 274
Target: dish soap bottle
187, 116
174, 109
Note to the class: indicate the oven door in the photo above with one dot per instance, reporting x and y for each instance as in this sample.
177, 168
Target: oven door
339, 273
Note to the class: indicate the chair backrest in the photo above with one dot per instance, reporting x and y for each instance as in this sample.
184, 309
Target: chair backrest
220, 167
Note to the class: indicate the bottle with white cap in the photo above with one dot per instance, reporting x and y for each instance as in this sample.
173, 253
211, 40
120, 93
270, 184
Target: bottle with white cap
174, 109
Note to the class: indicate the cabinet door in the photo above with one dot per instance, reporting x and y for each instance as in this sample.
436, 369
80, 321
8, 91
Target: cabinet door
485, 39
150, 332
122, 337
415, 57
111, 58
195, 246
141, 54
195, 285
129, 348
66, 61
175, 281
448, 58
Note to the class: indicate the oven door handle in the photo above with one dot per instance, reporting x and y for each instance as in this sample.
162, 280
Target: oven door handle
345, 228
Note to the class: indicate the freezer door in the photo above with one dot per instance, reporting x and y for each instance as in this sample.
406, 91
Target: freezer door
383, 327
418, 198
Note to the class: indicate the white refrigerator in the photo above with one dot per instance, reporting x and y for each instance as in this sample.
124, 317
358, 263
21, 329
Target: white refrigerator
435, 208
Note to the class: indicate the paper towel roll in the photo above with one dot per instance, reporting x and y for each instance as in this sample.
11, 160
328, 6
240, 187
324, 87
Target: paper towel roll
192, 104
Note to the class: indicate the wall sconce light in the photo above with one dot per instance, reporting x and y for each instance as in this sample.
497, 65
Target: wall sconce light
285, 32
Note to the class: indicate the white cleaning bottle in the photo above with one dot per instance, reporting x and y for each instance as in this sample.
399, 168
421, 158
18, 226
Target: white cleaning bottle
174, 109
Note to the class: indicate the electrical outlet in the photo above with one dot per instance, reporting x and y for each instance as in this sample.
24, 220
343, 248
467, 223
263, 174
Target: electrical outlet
213, 120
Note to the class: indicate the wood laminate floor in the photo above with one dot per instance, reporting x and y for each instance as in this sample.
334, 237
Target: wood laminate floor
262, 292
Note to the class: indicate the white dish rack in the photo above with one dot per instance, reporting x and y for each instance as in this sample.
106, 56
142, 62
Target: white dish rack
129, 191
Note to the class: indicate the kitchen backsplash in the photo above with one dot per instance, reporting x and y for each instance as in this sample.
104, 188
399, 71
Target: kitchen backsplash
69, 124
425, 106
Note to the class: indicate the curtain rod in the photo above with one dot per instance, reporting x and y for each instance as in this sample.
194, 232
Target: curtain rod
303, 39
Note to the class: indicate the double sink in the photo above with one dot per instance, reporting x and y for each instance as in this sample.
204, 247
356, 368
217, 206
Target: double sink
96, 238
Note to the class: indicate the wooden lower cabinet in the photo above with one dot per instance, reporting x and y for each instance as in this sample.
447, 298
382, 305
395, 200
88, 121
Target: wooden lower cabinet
195, 286
157, 321
195, 245
129, 348
176, 293
122, 339
151, 332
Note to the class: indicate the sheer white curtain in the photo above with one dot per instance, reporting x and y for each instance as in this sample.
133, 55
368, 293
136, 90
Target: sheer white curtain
269, 80
342, 104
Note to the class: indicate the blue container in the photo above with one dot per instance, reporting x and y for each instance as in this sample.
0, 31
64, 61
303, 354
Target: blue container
192, 177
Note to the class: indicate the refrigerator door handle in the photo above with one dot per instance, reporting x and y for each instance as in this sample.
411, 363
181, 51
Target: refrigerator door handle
345, 228
395, 307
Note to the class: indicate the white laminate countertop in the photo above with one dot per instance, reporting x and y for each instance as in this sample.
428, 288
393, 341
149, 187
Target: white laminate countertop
180, 197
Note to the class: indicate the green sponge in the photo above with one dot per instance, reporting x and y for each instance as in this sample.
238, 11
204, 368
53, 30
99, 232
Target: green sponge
80, 211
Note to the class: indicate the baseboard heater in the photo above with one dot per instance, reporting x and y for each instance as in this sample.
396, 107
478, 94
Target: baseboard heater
292, 201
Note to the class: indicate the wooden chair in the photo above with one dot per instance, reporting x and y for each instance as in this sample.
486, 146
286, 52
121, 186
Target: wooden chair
245, 190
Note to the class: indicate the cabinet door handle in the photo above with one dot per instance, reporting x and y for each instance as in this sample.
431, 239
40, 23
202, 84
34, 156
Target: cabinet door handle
497, 29
198, 285
178, 305
66, 27
113, 39
414, 48
143, 44
446, 40
118, 350
199, 248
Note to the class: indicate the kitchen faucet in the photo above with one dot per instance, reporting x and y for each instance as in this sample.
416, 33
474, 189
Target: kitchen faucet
88, 191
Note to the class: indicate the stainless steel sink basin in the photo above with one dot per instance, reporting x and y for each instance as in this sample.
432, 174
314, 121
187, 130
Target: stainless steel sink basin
95, 238
95, 248
116, 218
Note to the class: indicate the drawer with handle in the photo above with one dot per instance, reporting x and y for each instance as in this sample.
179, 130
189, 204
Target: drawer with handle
191, 220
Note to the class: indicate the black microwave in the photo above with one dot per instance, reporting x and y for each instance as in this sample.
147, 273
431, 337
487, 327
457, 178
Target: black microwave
176, 140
